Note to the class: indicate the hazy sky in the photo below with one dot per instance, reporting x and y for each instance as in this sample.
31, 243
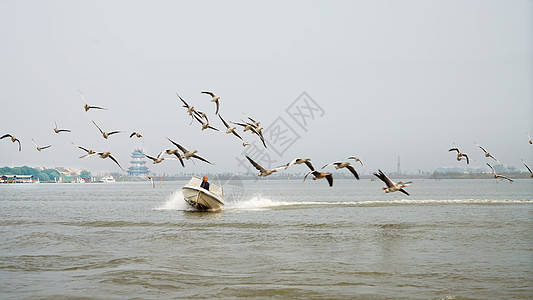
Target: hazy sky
388, 79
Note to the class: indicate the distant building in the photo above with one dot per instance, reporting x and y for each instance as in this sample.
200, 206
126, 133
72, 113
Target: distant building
138, 167
16, 179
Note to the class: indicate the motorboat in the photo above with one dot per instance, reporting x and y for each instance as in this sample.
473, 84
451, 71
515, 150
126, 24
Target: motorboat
202, 199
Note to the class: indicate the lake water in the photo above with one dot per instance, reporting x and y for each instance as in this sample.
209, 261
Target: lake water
451, 239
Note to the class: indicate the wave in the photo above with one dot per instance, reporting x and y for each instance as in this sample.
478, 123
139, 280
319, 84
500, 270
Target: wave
259, 202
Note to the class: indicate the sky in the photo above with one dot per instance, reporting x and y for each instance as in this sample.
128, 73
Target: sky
327, 80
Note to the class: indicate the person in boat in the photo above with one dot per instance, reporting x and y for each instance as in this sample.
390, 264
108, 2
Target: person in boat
205, 184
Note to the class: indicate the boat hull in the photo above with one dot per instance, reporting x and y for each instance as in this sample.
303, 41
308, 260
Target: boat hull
201, 199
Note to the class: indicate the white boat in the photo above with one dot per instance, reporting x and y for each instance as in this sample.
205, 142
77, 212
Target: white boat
202, 199
107, 179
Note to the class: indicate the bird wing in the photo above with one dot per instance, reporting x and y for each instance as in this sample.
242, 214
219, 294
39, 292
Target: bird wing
97, 107
178, 145
33, 141
218, 106
404, 191
98, 127
237, 135
150, 157
132, 134
113, 159
202, 159
333, 163
482, 149
240, 124
42, 148
88, 155
6, 135
528, 168
491, 168
491, 156
113, 132
467, 160
354, 172
256, 165
209, 93
211, 127
330, 179
225, 124
82, 98
384, 178
454, 149
310, 165
180, 158
505, 177
63, 130
312, 172
185, 103
83, 149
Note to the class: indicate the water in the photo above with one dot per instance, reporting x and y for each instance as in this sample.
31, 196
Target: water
451, 239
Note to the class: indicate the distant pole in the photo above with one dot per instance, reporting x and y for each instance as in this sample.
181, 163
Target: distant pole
399, 169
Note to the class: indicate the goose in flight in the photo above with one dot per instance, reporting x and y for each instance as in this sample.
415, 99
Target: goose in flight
159, 157
320, 175
498, 176
460, 155
189, 154
151, 180
343, 164
205, 125
106, 134
298, 161
259, 133
90, 152
487, 154
528, 168
87, 106
530, 140
59, 130
190, 109
107, 154
390, 185
138, 135
230, 129
215, 99
40, 148
13, 139
357, 160
262, 171
176, 152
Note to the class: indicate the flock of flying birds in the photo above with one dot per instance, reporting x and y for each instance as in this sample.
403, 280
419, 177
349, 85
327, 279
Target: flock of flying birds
181, 153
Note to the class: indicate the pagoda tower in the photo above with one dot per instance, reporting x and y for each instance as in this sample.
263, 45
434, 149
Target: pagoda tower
137, 164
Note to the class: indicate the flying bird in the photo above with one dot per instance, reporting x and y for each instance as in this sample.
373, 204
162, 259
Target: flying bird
106, 134
230, 129
105, 155
90, 152
40, 148
205, 125
530, 140
13, 139
497, 175
190, 109
460, 155
487, 154
87, 106
344, 164
152, 180
138, 135
259, 132
298, 161
59, 130
189, 154
176, 152
262, 171
320, 175
390, 185
159, 157
215, 99
357, 160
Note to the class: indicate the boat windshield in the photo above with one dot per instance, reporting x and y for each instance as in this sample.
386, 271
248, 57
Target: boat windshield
213, 187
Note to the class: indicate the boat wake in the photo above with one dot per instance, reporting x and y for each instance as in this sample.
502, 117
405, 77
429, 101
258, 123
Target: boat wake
259, 202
